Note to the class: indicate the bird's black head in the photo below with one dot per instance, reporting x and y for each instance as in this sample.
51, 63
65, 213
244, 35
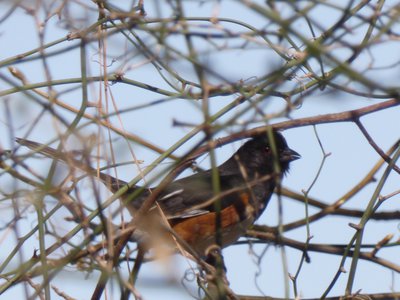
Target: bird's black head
257, 155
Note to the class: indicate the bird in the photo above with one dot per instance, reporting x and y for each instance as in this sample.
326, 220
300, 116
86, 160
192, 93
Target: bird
194, 207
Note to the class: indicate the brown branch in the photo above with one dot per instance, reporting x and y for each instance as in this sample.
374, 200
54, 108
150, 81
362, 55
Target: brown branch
327, 249
374, 145
389, 215
346, 116
358, 296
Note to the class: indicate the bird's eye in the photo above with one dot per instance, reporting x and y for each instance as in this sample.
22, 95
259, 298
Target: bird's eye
267, 149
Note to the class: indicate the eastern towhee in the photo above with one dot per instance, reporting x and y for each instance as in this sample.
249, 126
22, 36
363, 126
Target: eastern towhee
246, 182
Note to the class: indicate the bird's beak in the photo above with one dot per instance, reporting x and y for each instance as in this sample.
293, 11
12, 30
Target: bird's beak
289, 155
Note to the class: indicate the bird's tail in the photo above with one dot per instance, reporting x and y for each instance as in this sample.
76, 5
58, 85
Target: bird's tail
112, 183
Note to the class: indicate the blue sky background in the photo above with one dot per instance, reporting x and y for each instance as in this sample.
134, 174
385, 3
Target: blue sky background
351, 155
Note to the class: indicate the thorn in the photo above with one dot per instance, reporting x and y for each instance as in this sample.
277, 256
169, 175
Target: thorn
355, 226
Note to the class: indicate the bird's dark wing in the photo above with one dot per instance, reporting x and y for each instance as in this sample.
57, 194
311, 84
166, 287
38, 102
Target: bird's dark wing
194, 195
